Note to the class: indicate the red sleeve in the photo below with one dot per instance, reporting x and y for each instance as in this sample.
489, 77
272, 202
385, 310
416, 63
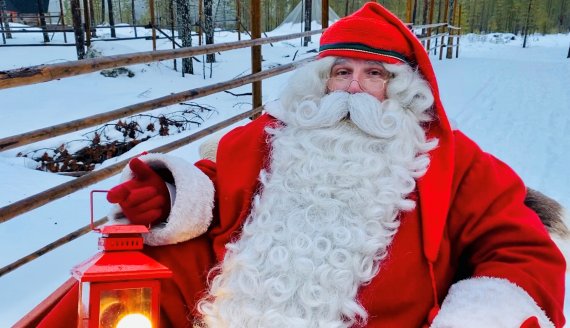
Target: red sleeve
496, 235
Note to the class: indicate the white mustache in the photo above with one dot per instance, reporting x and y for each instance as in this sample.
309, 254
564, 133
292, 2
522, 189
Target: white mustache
379, 119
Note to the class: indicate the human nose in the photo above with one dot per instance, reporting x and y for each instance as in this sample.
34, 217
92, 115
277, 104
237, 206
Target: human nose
354, 87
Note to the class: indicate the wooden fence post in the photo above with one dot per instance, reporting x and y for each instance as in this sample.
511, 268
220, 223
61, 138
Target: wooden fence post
458, 33
449, 54
446, 17
325, 13
255, 11
430, 21
172, 17
152, 18
77, 28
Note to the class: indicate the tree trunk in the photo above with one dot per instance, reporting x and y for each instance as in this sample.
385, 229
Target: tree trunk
425, 13
561, 18
5, 25
526, 24
77, 28
42, 17
120, 12
209, 28
184, 32
414, 12
481, 27
238, 19
86, 25
102, 11
308, 20
92, 19
111, 18
133, 16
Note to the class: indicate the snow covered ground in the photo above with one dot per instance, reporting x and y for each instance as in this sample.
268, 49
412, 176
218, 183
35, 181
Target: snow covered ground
514, 102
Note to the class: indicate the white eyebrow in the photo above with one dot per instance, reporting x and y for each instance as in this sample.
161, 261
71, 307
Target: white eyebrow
375, 62
341, 60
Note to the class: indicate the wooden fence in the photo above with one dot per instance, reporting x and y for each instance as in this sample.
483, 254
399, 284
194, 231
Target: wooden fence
44, 73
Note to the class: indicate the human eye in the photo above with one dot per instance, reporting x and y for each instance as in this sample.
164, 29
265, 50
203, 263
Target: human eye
377, 73
341, 73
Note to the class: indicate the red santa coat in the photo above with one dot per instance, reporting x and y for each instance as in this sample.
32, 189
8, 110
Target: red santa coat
485, 231
470, 222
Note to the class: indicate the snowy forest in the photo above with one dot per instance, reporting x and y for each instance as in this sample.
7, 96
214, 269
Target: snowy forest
477, 16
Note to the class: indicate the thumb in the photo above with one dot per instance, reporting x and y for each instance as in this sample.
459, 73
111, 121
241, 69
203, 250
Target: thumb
118, 193
140, 169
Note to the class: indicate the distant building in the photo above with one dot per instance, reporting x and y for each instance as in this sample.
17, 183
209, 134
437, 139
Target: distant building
26, 11
26, 6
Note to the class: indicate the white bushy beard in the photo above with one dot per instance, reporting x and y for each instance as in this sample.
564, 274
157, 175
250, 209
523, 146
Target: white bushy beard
326, 214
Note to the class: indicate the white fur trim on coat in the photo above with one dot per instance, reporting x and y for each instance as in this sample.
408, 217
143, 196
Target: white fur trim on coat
191, 212
209, 147
488, 302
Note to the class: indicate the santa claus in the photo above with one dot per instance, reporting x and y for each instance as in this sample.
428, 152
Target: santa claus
350, 203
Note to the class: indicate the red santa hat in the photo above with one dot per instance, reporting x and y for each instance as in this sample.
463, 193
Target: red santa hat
371, 33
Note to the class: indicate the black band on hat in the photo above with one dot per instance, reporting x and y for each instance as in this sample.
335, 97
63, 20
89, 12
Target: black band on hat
351, 46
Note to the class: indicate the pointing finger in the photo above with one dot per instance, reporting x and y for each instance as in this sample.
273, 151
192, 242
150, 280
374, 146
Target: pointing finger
141, 170
118, 193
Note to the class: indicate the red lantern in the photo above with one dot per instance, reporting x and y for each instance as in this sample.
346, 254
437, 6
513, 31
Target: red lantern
120, 286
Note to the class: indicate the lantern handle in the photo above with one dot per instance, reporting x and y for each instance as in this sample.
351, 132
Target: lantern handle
91, 205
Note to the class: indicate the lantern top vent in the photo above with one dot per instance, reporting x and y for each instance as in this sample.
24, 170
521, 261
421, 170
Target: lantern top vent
122, 237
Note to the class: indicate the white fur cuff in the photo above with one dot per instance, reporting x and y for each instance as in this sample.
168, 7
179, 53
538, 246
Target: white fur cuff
191, 212
488, 302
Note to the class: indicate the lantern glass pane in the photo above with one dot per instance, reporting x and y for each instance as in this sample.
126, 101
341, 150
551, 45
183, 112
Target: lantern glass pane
118, 307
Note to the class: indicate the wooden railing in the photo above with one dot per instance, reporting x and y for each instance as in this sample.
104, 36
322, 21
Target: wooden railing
45, 73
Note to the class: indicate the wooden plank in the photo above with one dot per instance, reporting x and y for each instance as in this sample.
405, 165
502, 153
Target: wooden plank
44, 73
